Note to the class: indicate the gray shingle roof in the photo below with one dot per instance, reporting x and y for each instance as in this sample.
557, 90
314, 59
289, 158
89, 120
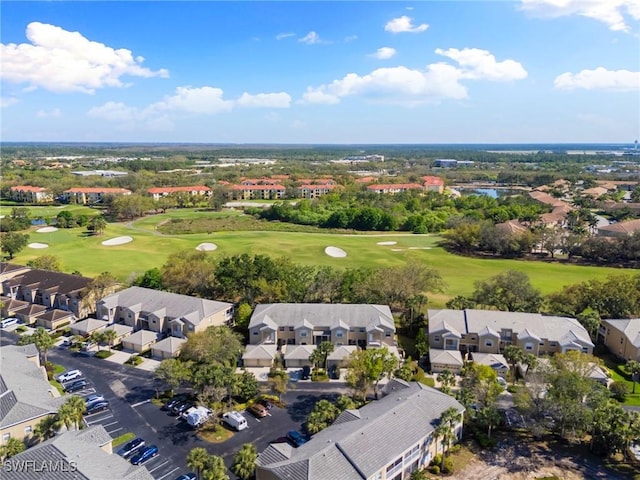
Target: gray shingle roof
534, 324
323, 314
359, 445
82, 457
173, 305
629, 326
263, 352
445, 357
142, 337
24, 391
169, 345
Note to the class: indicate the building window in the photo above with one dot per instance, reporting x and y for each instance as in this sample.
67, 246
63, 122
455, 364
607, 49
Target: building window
303, 334
281, 329
488, 343
554, 344
361, 329
393, 467
255, 332
291, 329
28, 430
585, 350
542, 344
621, 341
528, 346
436, 338
339, 334
191, 328
387, 333
6, 436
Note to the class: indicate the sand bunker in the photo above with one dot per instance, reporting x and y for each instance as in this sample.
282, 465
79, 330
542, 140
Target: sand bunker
386, 243
46, 230
335, 252
397, 249
38, 245
206, 247
117, 241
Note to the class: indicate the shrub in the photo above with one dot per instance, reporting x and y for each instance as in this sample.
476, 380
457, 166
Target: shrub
619, 391
512, 389
448, 465
21, 329
437, 460
319, 376
435, 469
49, 367
103, 354
134, 360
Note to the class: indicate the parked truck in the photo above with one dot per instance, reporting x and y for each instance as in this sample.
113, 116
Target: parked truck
197, 416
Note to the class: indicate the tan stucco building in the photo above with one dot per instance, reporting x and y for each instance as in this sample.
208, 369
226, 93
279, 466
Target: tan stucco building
622, 337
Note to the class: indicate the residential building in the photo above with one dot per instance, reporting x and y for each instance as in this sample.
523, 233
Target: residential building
433, 184
257, 192
30, 194
92, 195
393, 188
26, 396
193, 191
260, 181
494, 360
163, 312
621, 336
620, 229
289, 325
10, 270
167, 348
53, 290
381, 441
309, 190
441, 360
73, 455
491, 331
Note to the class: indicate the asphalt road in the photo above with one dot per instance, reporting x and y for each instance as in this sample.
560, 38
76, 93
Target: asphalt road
130, 390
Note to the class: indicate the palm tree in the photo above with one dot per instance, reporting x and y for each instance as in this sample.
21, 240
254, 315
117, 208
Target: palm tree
325, 348
41, 339
447, 380
71, 412
513, 355
633, 368
244, 462
98, 224
109, 336
197, 459
96, 337
215, 469
448, 419
46, 428
66, 415
11, 448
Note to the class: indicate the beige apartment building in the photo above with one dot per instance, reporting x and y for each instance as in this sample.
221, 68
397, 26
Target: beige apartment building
622, 337
30, 194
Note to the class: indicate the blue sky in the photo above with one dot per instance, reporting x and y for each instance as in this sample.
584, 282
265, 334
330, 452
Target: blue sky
529, 71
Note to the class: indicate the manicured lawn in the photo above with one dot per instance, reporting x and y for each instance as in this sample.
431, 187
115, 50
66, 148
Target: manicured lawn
50, 211
125, 437
149, 249
214, 433
618, 374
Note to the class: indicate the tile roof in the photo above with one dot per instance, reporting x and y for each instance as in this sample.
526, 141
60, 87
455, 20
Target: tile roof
77, 455
629, 227
174, 305
357, 446
97, 190
322, 314
28, 188
395, 186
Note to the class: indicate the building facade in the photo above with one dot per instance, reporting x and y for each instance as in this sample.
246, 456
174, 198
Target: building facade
30, 194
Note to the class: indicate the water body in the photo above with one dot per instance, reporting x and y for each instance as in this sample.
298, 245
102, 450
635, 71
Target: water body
491, 192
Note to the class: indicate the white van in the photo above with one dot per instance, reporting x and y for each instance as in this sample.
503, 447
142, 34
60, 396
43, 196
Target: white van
7, 322
235, 420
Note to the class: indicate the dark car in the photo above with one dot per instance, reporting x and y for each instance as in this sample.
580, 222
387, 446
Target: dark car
182, 407
296, 438
187, 476
173, 402
144, 454
306, 372
131, 447
96, 407
334, 372
96, 397
75, 386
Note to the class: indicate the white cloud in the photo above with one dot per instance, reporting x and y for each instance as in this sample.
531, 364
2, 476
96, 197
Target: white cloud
8, 101
404, 24
116, 112
284, 35
55, 112
310, 38
384, 53
203, 100
265, 100
407, 86
610, 12
481, 65
350, 38
599, 79
63, 61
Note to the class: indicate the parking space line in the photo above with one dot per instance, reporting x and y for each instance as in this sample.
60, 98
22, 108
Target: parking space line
99, 419
141, 403
109, 424
114, 431
167, 474
157, 467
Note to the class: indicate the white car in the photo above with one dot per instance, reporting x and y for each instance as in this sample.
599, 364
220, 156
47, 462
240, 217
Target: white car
7, 322
69, 376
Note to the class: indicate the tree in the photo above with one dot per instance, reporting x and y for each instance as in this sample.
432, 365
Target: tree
632, 367
173, 372
41, 339
367, 367
109, 335
46, 262
514, 355
215, 469
245, 386
323, 414
46, 428
97, 225
13, 242
197, 459
150, 279
510, 291
243, 316
320, 354
244, 461
12, 447
490, 417
447, 380
277, 383
98, 288
191, 273
447, 429
460, 302
422, 343
76, 407
590, 320
218, 344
